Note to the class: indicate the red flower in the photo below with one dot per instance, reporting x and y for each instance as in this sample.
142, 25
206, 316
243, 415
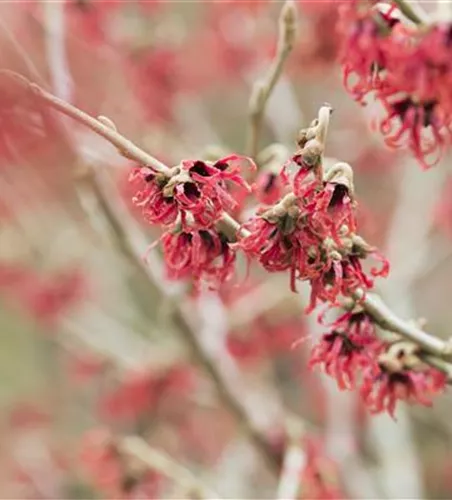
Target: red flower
410, 71
320, 476
140, 393
195, 187
382, 388
109, 471
203, 255
312, 235
44, 299
350, 346
363, 32
422, 126
156, 208
100, 461
156, 78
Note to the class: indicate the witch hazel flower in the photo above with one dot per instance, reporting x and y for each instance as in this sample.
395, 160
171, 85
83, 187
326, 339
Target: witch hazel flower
197, 187
364, 28
203, 255
350, 346
399, 375
311, 231
407, 68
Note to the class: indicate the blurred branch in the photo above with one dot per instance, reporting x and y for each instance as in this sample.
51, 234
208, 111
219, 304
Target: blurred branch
108, 131
120, 228
120, 225
294, 462
408, 249
262, 89
161, 462
412, 10
54, 24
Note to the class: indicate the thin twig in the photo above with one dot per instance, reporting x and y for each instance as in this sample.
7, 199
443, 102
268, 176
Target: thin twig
412, 11
124, 146
388, 320
120, 226
294, 462
165, 465
262, 89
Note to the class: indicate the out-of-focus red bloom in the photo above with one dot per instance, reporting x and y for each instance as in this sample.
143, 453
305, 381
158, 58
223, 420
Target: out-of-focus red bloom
105, 467
44, 299
422, 126
382, 389
263, 340
350, 346
409, 71
156, 77
83, 367
95, 19
27, 415
140, 393
318, 46
320, 476
363, 30
235, 53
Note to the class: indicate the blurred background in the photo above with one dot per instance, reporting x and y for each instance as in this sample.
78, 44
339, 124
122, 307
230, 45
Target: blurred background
95, 345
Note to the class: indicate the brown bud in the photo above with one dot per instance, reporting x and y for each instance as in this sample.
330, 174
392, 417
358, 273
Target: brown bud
341, 173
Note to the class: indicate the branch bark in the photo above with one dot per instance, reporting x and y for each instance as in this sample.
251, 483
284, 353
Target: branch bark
164, 464
263, 89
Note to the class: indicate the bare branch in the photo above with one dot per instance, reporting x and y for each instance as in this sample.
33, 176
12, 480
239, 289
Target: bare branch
294, 462
165, 465
124, 146
388, 320
120, 225
412, 11
262, 89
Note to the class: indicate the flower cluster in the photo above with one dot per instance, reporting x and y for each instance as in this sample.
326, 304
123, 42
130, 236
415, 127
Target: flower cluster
312, 230
347, 348
189, 202
407, 67
352, 353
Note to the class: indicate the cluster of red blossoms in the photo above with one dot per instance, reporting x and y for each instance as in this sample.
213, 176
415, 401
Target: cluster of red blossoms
311, 231
352, 353
407, 67
188, 202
